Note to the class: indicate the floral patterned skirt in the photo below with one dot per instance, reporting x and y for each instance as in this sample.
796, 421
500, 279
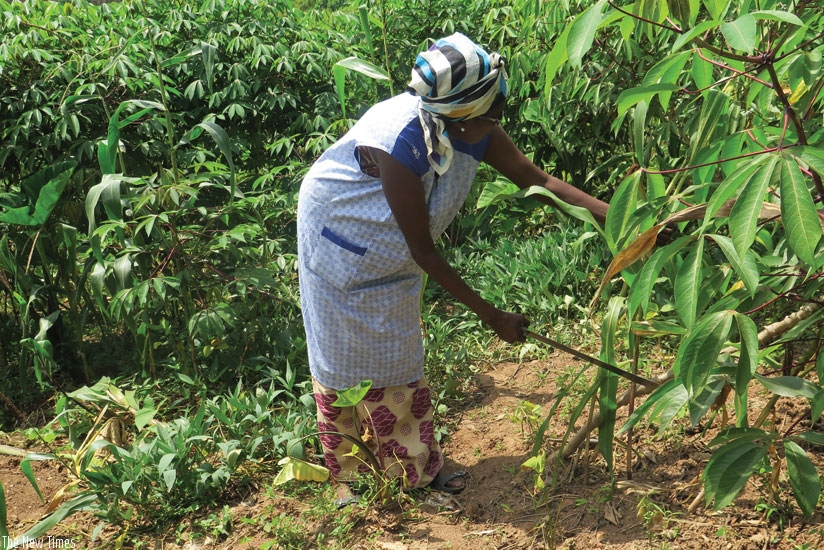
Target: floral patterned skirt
396, 424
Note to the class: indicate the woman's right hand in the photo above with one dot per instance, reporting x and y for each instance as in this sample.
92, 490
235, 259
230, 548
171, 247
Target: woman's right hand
509, 326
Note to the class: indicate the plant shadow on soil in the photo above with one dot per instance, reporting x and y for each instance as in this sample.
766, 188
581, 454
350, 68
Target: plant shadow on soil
500, 509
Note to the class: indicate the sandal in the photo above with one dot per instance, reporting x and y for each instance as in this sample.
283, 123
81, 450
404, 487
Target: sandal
343, 502
442, 480
345, 496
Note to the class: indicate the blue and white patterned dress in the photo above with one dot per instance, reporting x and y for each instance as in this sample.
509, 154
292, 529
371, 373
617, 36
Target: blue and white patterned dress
360, 288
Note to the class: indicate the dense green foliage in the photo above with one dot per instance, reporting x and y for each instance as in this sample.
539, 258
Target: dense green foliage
150, 156
729, 151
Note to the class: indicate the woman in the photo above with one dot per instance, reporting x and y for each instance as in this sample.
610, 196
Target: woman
369, 212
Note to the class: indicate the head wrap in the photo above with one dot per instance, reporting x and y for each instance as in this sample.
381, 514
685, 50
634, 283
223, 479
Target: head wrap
458, 80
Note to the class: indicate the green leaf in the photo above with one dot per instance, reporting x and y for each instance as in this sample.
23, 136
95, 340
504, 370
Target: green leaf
29, 473
208, 53
803, 477
729, 469
622, 207
693, 33
701, 403
4, 531
775, 15
169, 478
742, 434
639, 119
743, 222
496, 191
662, 405
667, 71
632, 96
84, 501
641, 289
817, 406
358, 65
819, 367
556, 58
746, 268
798, 212
225, 145
811, 437
744, 172
363, 67
145, 415
607, 398
698, 353
582, 33
811, 156
788, 386
688, 284
747, 363
741, 33
575, 211
43, 190
109, 191
352, 396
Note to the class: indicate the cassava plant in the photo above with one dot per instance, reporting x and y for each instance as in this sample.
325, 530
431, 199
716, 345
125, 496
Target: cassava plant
715, 226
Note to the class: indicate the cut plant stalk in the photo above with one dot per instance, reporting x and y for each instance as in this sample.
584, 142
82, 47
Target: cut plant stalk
595, 361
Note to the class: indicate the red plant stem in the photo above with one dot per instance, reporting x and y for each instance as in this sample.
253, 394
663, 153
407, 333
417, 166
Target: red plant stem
639, 18
736, 72
720, 161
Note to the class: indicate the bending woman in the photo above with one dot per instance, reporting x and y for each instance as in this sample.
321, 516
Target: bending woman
369, 212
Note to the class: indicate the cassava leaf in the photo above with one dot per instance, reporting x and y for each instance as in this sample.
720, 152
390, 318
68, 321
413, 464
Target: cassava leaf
744, 215
747, 363
576, 212
776, 15
788, 386
741, 33
688, 284
698, 353
662, 405
745, 267
798, 212
817, 406
803, 476
622, 207
636, 250
582, 33
641, 289
729, 469
632, 96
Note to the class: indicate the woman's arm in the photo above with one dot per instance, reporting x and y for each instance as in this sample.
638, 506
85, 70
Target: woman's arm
505, 157
405, 194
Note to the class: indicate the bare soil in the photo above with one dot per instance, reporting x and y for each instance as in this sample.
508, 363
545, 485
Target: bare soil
501, 508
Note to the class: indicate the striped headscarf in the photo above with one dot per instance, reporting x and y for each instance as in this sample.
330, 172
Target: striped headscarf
457, 80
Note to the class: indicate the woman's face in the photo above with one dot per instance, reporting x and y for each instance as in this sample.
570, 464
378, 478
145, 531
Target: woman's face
473, 130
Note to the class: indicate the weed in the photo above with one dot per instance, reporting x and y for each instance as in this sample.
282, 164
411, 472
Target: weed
654, 516
527, 415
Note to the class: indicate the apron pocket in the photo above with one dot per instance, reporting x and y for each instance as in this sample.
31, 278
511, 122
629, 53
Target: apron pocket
336, 259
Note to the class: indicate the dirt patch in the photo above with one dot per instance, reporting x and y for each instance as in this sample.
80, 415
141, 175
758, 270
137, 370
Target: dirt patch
24, 506
501, 507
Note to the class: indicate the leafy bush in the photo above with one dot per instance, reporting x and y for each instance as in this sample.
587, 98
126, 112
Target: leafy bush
726, 152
